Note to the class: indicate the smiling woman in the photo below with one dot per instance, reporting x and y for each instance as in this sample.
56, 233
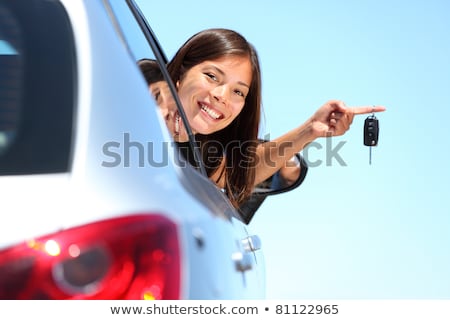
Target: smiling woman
214, 92
218, 78
211, 97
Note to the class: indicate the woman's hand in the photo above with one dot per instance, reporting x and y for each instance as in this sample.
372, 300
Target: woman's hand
334, 118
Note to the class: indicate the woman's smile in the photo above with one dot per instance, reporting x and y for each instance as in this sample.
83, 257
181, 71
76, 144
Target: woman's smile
210, 112
213, 92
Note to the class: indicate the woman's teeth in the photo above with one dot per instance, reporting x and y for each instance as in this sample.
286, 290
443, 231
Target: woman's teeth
210, 112
177, 124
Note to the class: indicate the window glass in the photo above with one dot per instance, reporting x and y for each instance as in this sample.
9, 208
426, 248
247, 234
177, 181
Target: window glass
130, 31
140, 49
11, 65
37, 77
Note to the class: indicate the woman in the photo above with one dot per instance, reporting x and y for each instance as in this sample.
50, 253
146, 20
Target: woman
218, 79
219, 84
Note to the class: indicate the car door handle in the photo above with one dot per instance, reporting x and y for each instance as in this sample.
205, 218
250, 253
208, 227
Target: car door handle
251, 243
243, 261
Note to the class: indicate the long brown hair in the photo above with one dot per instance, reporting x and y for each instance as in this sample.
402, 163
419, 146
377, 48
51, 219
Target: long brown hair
238, 140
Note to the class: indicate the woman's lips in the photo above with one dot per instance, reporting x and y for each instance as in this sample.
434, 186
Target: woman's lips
211, 112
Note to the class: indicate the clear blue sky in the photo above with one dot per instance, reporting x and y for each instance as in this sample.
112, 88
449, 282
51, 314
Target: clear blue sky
359, 230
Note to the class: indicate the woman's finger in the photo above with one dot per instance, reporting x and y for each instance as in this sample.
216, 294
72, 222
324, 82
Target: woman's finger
367, 109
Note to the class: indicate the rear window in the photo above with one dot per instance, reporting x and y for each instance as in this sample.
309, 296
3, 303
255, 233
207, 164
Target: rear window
37, 87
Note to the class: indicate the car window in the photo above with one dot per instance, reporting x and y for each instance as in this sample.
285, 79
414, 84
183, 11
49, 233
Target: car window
139, 48
37, 84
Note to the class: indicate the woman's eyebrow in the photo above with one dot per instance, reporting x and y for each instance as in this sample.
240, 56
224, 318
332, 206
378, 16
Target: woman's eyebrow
244, 84
223, 74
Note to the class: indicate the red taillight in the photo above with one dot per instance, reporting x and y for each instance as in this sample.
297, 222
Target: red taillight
133, 257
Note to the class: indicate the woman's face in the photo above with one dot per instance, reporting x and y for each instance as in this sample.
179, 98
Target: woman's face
213, 92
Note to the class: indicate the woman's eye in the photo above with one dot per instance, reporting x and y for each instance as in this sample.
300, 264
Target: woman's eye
156, 95
211, 76
239, 93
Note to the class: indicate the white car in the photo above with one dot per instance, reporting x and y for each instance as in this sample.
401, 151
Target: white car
95, 200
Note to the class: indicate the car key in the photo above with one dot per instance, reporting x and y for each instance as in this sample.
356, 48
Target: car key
371, 132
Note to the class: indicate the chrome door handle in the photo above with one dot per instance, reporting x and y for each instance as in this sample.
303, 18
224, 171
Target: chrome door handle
242, 261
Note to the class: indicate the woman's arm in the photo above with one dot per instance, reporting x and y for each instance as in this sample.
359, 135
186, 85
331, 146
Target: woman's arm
332, 119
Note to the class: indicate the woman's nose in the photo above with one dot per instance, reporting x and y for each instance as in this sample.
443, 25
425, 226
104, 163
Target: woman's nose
164, 111
220, 93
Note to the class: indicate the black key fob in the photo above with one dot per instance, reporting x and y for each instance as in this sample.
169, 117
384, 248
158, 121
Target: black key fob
371, 131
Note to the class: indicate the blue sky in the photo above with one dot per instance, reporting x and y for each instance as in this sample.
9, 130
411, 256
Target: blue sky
357, 231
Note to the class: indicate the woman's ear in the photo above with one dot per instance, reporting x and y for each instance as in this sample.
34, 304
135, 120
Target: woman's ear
178, 84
